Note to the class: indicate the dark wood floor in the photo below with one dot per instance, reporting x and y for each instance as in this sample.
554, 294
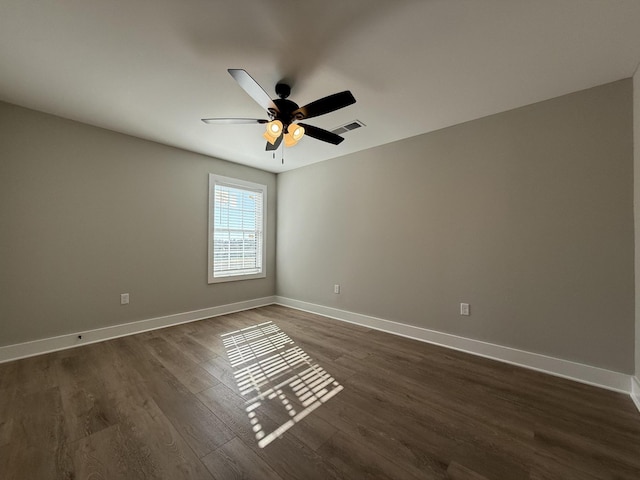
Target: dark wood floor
165, 404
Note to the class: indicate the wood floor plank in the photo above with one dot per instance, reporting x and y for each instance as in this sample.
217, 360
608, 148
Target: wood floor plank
221, 370
7, 414
483, 442
353, 460
8, 375
430, 454
430, 438
144, 446
188, 372
408, 395
302, 318
165, 404
31, 462
38, 446
313, 431
32, 374
144, 441
455, 471
288, 456
203, 431
207, 333
86, 402
230, 407
589, 456
187, 344
235, 461
548, 466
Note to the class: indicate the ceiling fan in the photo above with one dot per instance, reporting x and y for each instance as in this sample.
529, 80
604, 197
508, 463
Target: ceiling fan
285, 115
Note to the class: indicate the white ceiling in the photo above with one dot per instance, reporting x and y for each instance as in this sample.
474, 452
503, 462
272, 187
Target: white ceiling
154, 68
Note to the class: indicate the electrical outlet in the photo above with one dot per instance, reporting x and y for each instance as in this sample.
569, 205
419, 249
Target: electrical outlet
124, 299
336, 288
464, 309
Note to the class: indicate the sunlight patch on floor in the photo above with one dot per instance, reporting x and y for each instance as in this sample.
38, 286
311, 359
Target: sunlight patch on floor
281, 383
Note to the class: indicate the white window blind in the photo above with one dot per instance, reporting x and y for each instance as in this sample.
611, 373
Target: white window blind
236, 232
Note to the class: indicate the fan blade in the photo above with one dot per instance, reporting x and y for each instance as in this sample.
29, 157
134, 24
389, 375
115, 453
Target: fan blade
253, 88
321, 134
275, 145
233, 121
325, 105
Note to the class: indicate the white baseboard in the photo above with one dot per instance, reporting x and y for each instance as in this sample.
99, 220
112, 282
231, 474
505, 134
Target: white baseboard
62, 342
554, 366
595, 376
635, 391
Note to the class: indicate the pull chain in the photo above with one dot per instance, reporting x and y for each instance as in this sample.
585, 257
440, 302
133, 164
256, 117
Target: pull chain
282, 150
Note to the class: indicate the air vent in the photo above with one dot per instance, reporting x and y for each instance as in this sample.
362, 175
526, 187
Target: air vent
348, 127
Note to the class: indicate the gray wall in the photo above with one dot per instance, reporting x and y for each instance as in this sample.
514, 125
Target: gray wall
87, 214
527, 215
636, 174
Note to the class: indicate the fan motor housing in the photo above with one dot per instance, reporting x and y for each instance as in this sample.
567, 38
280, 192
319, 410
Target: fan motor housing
286, 107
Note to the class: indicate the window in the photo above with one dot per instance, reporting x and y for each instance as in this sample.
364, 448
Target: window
237, 211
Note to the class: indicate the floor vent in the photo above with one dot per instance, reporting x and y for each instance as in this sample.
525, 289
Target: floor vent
348, 127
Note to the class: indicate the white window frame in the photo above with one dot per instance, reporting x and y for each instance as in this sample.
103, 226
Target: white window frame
244, 185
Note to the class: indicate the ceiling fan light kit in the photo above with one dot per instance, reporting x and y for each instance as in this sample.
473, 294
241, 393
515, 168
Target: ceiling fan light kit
293, 135
283, 113
273, 131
